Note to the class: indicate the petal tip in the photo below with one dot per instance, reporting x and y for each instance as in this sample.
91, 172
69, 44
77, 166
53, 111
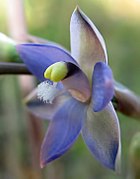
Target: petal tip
42, 165
43, 162
111, 164
117, 158
77, 9
117, 168
77, 13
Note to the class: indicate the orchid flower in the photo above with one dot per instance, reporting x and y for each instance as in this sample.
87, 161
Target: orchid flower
75, 93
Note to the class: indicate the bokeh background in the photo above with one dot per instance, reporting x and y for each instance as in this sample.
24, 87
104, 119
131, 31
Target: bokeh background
21, 133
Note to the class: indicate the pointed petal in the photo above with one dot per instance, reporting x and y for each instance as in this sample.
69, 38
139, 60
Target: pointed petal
102, 86
63, 130
101, 133
87, 44
38, 57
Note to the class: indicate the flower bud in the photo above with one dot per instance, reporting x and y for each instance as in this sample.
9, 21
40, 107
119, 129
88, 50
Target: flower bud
7, 49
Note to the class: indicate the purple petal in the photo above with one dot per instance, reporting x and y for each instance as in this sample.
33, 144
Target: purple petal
45, 110
101, 133
77, 83
87, 44
63, 130
38, 57
41, 109
102, 86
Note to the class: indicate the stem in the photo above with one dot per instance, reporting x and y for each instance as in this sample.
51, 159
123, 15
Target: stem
13, 69
126, 101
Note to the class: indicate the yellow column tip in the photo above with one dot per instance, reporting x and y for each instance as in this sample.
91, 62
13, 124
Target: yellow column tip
56, 72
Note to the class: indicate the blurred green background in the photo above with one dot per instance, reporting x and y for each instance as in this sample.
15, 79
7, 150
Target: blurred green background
21, 135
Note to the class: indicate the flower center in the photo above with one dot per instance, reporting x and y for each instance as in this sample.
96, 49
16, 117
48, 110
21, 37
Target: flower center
73, 79
48, 90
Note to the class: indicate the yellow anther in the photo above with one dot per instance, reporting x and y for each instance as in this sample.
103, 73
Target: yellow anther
56, 72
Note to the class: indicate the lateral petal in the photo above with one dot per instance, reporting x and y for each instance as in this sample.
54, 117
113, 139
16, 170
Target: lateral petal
46, 110
101, 133
63, 130
76, 82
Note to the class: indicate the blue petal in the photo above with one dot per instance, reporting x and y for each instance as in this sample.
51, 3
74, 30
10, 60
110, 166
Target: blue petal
63, 130
102, 86
101, 133
38, 57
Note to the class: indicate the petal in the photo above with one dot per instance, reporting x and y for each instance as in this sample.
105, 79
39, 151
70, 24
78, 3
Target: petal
41, 109
77, 83
87, 44
101, 133
38, 57
102, 86
63, 130
45, 110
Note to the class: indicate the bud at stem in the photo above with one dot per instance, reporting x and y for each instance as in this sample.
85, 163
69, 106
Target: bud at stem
7, 49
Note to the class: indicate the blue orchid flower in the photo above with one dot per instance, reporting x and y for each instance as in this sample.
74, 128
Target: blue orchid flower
75, 93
